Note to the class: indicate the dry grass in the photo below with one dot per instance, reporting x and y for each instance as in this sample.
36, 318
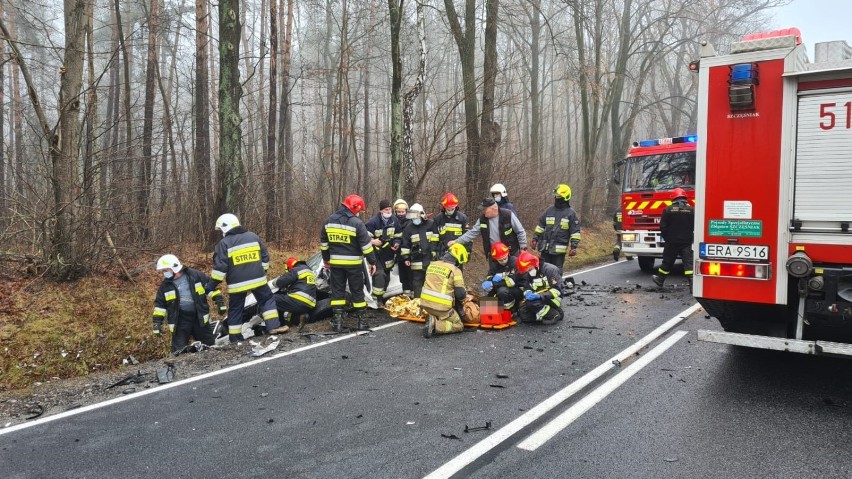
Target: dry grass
50, 330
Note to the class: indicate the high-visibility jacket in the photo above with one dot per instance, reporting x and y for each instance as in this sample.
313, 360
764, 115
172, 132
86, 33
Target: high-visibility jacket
241, 259
389, 232
167, 300
450, 227
509, 271
547, 282
443, 286
419, 244
344, 241
300, 283
558, 228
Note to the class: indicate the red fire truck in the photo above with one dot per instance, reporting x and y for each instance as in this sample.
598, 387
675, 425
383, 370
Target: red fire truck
652, 169
774, 194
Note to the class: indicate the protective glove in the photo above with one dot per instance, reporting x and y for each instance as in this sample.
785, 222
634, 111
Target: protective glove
158, 328
530, 296
572, 252
487, 285
497, 278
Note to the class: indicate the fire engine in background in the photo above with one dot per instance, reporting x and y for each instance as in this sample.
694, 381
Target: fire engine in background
649, 174
774, 194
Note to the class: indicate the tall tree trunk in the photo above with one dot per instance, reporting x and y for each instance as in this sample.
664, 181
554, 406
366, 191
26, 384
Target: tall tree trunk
395, 8
3, 170
229, 166
269, 161
410, 190
18, 121
285, 120
535, 89
367, 181
203, 181
110, 139
143, 193
128, 158
491, 135
91, 158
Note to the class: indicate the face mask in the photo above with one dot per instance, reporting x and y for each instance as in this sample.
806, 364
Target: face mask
450, 211
386, 215
503, 261
533, 271
498, 197
417, 221
168, 274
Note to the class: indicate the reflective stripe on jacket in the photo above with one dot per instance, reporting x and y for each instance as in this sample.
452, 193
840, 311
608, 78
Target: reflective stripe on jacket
442, 279
241, 259
344, 240
167, 299
558, 228
300, 283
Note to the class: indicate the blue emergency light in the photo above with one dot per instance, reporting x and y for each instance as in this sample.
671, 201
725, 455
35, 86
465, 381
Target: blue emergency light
742, 80
666, 141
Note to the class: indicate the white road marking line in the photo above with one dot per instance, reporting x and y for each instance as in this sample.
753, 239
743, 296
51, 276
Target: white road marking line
565, 419
92, 407
482, 447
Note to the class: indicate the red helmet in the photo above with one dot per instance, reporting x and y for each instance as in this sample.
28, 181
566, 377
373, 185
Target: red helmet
678, 193
355, 203
526, 261
499, 251
291, 261
449, 201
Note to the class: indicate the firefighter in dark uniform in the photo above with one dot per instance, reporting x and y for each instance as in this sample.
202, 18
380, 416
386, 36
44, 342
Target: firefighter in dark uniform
400, 210
344, 243
502, 282
616, 225
451, 222
558, 230
182, 300
543, 284
419, 244
676, 227
241, 259
297, 290
496, 224
386, 233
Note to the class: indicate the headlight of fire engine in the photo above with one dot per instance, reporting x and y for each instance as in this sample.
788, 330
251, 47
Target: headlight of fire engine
799, 264
628, 237
816, 283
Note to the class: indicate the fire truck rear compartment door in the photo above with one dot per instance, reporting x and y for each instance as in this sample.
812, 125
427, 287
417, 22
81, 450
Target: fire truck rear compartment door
823, 181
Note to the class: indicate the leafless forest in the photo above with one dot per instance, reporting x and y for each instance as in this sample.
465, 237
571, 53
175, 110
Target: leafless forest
128, 126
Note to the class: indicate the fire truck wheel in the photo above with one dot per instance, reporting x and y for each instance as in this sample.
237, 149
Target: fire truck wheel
646, 264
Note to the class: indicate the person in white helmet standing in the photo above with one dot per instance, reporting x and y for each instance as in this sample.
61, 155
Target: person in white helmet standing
501, 197
182, 301
241, 259
419, 245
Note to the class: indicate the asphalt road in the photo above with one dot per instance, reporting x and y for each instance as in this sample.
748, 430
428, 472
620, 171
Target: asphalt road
391, 404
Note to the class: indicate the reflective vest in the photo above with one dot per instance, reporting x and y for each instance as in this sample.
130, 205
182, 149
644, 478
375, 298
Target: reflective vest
442, 278
508, 236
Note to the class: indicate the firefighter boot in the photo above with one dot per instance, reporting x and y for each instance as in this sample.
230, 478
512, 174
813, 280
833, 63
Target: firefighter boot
616, 252
337, 321
658, 279
429, 327
363, 324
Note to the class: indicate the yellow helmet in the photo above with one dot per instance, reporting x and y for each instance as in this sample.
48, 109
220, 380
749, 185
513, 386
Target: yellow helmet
459, 252
563, 191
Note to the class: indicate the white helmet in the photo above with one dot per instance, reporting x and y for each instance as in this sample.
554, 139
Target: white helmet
226, 222
499, 188
169, 261
415, 211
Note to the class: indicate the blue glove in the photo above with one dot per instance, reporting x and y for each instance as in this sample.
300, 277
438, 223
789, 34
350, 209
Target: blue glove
487, 285
498, 278
531, 296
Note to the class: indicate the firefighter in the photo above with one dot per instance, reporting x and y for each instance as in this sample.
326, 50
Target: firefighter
501, 281
182, 301
543, 284
451, 222
496, 224
616, 225
558, 230
297, 290
400, 210
419, 245
498, 192
386, 232
443, 293
676, 228
241, 259
344, 243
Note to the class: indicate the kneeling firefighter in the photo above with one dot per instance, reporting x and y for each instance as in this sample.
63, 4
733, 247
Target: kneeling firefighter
542, 283
297, 290
501, 282
443, 293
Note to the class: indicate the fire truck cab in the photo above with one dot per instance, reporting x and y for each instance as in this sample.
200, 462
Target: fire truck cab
774, 194
648, 175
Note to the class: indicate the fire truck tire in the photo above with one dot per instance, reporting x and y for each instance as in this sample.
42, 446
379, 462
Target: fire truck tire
646, 263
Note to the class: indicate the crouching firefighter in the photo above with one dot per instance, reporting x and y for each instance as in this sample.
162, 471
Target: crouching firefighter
182, 300
543, 284
241, 259
344, 243
501, 282
297, 290
443, 293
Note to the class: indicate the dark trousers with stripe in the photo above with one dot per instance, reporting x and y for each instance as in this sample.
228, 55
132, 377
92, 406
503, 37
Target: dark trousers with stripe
289, 307
340, 276
557, 260
670, 253
188, 325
